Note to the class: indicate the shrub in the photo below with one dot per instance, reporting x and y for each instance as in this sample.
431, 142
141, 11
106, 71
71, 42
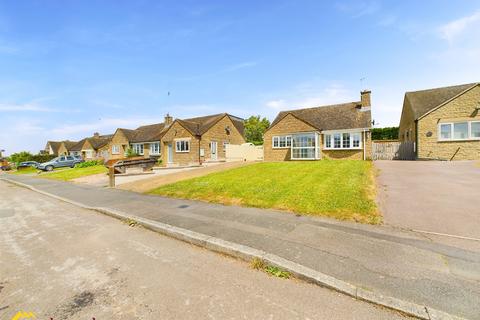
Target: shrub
131, 153
88, 164
27, 156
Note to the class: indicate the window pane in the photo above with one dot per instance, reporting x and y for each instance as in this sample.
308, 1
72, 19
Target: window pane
460, 130
337, 140
346, 140
282, 142
356, 140
445, 131
475, 129
289, 141
275, 142
328, 141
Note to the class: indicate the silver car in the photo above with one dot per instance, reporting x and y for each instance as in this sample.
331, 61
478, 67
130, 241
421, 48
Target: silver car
60, 162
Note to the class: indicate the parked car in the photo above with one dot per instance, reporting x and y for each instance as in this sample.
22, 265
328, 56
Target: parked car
60, 162
25, 164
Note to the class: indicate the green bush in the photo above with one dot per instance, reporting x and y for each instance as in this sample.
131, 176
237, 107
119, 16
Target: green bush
388, 133
131, 153
27, 156
89, 164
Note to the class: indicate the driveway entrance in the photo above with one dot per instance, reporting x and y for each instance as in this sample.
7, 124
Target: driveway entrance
434, 196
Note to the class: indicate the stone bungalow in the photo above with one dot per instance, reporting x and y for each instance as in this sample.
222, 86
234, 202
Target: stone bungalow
92, 148
340, 131
444, 122
59, 147
200, 139
144, 141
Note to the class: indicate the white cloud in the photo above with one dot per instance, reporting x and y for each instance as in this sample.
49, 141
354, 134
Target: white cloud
454, 29
308, 95
25, 107
276, 104
242, 65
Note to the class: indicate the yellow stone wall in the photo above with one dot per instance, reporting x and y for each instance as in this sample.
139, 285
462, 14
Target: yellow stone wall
460, 109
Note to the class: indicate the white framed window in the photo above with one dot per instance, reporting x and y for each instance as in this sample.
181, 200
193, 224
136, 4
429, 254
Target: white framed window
138, 148
225, 145
89, 154
155, 148
182, 146
304, 146
458, 131
343, 140
475, 130
115, 149
280, 142
328, 141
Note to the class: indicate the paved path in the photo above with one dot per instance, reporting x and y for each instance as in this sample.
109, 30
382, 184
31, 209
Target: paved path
159, 180
390, 261
63, 262
435, 196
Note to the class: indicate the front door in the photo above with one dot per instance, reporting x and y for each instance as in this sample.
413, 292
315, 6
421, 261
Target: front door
213, 151
170, 153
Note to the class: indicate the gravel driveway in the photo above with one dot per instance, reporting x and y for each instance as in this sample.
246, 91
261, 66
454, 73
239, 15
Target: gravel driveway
434, 196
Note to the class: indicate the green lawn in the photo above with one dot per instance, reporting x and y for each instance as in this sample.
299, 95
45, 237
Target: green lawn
28, 170
339, 189
70, 174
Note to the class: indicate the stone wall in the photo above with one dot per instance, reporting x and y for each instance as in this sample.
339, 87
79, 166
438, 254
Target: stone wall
174, 133
219, 134
460, 109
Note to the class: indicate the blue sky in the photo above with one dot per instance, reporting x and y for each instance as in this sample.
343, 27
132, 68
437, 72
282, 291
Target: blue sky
70, 68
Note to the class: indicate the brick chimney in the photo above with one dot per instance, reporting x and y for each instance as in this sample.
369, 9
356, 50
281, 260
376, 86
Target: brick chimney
96, 134
168, 119
365, 98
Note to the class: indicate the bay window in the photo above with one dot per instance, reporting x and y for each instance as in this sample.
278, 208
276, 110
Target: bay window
465, 130
282, 141
304, 146
343, 140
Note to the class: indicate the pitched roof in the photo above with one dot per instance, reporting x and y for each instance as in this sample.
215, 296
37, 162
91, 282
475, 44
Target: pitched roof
96, 142
424, 101
331, 117
152, 132
129, 133
69, 144
55, 145
200, 125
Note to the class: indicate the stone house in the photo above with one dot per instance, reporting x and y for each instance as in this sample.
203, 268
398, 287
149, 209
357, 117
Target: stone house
340, 131
144, 141
444, 123
201, 139
65, 147
92, 148
52, 147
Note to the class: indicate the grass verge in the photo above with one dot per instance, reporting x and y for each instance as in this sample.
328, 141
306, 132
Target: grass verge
340, 189
70, 174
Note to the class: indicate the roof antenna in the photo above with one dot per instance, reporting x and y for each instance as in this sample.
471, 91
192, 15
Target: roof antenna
361, 82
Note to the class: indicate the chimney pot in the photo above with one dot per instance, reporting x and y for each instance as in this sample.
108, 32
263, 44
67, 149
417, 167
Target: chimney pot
96, 134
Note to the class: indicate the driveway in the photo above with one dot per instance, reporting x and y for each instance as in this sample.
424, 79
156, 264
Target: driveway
433, 196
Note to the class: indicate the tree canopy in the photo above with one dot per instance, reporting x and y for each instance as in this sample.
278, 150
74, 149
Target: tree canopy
387, 133
255, 127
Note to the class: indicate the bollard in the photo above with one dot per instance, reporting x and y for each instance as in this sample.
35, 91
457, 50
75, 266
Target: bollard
111, 177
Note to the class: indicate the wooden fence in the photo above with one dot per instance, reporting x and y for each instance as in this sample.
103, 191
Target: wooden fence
393, 150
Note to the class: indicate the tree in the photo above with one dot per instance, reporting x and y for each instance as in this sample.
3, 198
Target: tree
388, 133
20, 157
255, 127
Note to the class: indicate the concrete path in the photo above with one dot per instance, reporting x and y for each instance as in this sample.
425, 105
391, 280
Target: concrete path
62, 262
433, 196
150, 183
386, 260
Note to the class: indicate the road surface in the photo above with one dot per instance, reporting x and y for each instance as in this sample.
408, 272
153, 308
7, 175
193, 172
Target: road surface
63, 262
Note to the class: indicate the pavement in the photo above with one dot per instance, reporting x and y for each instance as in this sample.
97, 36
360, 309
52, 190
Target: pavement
63, 262
382, 259
432, 196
